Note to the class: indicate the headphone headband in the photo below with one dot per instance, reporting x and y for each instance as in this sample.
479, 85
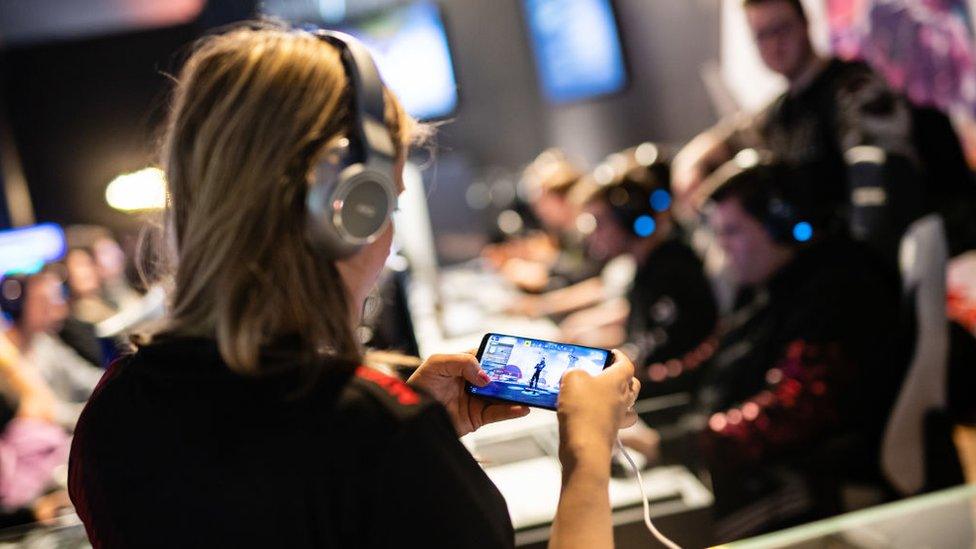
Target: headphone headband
368, 101
350, 203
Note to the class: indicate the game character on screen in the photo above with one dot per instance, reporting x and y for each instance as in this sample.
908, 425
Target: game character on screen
534, 382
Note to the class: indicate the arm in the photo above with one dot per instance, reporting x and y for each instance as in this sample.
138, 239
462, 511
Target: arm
803, 399
698, 158
598, 326
583, 516
591, 411
582, 294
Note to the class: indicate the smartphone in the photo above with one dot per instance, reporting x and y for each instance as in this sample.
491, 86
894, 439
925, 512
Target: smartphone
528, 371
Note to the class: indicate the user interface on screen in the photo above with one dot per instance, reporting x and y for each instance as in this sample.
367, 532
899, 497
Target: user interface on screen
529, 370
577, 48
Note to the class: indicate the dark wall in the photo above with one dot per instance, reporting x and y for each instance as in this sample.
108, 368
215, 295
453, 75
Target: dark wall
666, 43
503, 120
500, 118
84, 111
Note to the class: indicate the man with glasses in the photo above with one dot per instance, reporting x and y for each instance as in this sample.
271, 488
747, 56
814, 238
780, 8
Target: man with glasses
831, 108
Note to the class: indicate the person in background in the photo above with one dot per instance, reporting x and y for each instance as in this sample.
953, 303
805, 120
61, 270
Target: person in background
553, 257
36, 310
836, 114
88, 304
617, 270
247, 418
667, 310
795, 398
33, 446
110, 264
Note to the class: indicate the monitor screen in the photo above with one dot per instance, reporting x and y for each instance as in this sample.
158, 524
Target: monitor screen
411, 50
577, 48
25, 250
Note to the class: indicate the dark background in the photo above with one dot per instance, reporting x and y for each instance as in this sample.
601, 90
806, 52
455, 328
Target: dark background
82, 110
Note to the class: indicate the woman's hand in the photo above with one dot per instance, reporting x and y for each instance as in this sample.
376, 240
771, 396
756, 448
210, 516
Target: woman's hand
443, 377
592, 409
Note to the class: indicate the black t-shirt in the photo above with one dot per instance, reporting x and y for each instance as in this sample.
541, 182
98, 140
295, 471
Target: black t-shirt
175, 450
672, 312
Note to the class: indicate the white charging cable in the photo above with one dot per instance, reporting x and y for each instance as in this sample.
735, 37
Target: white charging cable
647, 506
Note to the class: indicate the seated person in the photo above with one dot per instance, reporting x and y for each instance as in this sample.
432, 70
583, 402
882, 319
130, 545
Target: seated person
553, 257
32, 445
668, 310
886, 161
245, 418
795, 397
36, 310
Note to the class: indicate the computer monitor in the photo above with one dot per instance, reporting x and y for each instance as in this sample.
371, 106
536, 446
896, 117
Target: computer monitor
577, 48
410, 46
25, 250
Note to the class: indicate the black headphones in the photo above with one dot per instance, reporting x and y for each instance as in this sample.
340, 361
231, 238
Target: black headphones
637, 192
13, 294
350, 203
774, 198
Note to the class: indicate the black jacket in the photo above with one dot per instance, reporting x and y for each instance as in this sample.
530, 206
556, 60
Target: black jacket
175, 450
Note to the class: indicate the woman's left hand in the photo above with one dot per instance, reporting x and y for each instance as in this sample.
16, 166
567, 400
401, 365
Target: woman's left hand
443, 377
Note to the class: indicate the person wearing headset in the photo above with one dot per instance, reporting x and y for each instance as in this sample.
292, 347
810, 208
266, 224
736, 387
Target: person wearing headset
36, 313
247, 418
667, 310
794, 398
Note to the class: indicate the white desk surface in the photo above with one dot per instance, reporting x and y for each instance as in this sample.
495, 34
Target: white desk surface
531, 486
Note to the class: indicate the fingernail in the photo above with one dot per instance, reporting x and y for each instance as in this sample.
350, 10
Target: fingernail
484, 377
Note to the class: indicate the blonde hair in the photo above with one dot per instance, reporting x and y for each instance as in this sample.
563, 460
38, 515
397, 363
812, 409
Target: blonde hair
551, 172
254, 109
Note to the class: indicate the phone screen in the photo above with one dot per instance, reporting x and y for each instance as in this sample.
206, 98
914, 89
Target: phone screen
528, 371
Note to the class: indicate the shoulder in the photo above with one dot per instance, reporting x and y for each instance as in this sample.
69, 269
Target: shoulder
384, 394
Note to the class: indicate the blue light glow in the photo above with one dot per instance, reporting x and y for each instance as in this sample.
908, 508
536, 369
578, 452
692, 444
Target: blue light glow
26, 250
660, 200
577, 48
802, 231
409, 45
644, 226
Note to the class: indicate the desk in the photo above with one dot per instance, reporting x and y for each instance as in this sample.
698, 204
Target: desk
452, 313
519, 456
940, 520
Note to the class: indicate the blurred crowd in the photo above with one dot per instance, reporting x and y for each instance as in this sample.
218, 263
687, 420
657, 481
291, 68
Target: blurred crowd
805, 275
57, 336
788, 270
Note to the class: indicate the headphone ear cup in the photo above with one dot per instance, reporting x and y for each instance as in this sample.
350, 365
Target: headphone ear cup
631, 206
349, 209
13, 290
781, 217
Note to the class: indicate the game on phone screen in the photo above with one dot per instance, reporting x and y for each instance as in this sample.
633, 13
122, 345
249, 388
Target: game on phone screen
528, 371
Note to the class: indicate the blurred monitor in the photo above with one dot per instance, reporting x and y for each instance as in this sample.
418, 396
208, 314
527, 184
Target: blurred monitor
25, 250
577, 48
32, 21
411, 49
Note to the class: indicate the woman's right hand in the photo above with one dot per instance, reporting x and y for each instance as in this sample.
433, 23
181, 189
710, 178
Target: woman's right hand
592, 409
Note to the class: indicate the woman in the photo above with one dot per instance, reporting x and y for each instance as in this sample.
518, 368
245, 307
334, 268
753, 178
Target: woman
247, 420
